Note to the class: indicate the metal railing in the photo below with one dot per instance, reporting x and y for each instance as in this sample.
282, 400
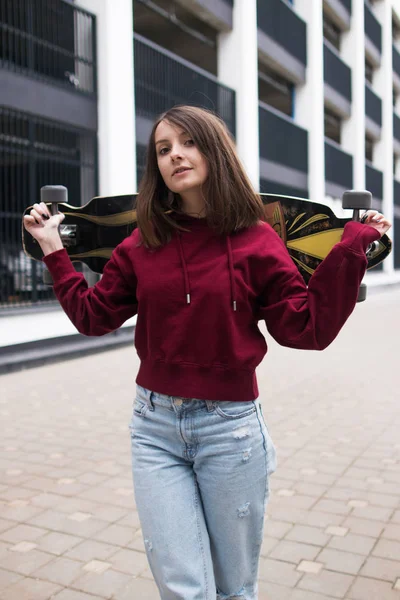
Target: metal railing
281, 140
338, 165
163, 80
336, 73
34, 153
372, 27
281, 23
373, 105
53, 41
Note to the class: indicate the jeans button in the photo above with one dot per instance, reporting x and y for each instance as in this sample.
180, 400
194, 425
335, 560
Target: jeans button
178, 401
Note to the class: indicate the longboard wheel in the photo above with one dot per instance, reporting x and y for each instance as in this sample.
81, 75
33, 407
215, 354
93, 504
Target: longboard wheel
362, 293
50, 194
357, 200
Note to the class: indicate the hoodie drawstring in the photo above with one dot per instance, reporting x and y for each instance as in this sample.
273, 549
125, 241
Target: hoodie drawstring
230, 266
231, 272
185, 273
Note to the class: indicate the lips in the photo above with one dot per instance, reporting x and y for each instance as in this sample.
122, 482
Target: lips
181, 170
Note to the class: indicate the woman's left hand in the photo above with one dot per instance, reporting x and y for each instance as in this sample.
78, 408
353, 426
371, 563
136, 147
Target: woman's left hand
375, 219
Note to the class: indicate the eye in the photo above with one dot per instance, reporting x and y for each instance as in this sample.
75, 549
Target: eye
189, 142
163, 151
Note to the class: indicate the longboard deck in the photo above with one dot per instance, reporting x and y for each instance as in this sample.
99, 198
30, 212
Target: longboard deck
308, 229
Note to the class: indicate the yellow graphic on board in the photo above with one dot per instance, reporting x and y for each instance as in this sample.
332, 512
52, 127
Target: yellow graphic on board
318, 244
115, 220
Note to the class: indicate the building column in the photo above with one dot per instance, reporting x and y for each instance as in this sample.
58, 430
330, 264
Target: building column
353, 129
309, 109
238, 69
383, 155
116, 95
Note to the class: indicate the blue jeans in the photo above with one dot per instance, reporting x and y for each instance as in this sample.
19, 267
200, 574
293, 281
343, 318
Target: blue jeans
200, 473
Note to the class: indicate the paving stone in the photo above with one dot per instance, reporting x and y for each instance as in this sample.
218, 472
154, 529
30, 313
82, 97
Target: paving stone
115, 534
129, 561
22, 533
268, 544
277, 571
336, 584
307, 535
381, 568
60, 570
136, 588
8, 578
104, 584
370, 589
25, 563
387, 549
364, 527
294, 551
273, 591
23, 547
391, 532
344, 562
277, 529
359, 544
308, 566
91, 550
75, 595
57, 543
30, 589
335, 530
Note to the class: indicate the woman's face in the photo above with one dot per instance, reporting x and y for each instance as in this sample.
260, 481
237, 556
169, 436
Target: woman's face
182, 166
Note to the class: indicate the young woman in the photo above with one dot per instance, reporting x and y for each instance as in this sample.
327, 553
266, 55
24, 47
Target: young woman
201, 270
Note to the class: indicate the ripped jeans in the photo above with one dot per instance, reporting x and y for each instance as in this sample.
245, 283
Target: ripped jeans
201, 481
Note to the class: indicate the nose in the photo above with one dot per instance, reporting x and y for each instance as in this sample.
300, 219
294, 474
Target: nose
176, 153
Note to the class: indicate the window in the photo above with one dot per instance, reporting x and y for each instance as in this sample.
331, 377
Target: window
274, 90
395, 94
395, 163
369, 148
331, 32
333, 124
369, 70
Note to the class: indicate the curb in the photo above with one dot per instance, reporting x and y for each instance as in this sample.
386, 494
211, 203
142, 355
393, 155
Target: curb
43, 352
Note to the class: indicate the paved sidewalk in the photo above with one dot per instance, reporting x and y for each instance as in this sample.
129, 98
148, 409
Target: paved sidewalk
68, 527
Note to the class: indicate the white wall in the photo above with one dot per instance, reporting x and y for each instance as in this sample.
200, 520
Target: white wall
117, 140
238, 69
309, 111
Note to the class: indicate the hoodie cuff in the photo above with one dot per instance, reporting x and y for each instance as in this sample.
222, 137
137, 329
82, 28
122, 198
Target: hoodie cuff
59, 264
357, 236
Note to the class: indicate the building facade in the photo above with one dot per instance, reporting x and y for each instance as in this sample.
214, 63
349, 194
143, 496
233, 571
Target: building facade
310, 89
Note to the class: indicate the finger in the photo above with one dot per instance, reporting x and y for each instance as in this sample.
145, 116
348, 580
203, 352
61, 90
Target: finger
44, 209
28, 220
43, 213
37, 216
373, 216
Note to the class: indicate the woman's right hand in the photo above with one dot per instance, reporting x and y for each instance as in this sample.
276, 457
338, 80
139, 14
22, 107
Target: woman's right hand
44, 227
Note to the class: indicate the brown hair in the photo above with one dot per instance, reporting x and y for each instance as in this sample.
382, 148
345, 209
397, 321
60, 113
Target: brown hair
231, 202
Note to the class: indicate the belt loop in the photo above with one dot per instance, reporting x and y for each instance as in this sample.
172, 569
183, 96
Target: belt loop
149, 396
210, 405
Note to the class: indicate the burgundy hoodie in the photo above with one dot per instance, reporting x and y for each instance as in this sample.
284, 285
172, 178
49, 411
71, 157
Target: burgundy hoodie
199, 299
